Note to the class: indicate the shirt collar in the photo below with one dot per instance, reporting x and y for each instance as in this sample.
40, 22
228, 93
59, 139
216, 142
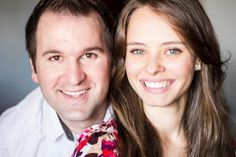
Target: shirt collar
56, 128
69, 133
52, 126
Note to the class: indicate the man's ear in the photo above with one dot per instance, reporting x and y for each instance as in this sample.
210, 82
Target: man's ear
34, 75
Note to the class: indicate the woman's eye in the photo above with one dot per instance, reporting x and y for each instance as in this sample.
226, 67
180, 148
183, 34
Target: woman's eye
174, 51
137, 51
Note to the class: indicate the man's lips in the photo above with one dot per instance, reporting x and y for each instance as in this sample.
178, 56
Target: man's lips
75, 93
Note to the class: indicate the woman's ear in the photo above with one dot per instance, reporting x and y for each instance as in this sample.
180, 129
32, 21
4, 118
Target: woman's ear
198, 65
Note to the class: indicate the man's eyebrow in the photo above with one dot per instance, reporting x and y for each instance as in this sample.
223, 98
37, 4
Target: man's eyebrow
94, 48
51, 52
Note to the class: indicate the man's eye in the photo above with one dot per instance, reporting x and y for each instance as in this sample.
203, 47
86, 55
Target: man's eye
173, 51
137, 51
55, 58
89, 55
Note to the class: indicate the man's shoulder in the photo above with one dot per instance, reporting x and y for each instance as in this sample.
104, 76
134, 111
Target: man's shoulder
17, 120
29, 103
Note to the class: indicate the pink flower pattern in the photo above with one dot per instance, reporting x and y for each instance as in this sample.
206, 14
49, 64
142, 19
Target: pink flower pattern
98, 141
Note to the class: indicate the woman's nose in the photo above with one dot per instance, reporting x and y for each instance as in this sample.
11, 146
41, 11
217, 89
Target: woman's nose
154, 65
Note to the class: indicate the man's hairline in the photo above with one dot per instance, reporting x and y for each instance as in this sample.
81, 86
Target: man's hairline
99, 19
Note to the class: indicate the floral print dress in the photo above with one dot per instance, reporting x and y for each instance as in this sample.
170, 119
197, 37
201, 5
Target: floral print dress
98, 141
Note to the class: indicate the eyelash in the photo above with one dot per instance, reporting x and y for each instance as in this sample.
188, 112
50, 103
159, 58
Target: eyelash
175, 50
137, 51
89, 55
55, 58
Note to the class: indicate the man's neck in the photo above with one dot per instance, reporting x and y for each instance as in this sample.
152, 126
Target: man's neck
78, 127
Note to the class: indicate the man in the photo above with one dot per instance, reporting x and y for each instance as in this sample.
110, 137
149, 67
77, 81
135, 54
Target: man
69, 45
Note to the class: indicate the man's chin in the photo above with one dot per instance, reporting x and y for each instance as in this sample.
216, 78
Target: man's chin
75, 116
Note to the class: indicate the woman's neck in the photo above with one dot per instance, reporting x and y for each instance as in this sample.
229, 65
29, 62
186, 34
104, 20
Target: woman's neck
168, 122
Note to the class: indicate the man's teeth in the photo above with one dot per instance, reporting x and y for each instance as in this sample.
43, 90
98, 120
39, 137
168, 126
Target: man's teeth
162, 84
75, 94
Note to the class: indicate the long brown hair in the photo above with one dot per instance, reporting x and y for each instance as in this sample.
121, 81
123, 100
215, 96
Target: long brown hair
204, 119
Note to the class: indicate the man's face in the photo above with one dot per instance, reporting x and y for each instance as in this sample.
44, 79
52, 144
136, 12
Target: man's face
73, 66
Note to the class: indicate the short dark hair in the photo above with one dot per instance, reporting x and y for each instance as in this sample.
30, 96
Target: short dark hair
74, 7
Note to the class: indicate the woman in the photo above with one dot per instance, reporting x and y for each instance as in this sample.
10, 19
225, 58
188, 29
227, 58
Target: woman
166, 92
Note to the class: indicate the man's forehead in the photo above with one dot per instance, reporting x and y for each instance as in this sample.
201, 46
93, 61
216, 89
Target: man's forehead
56, 30
92, 16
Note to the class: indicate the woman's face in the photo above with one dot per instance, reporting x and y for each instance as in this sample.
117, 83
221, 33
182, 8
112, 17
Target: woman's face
158, 64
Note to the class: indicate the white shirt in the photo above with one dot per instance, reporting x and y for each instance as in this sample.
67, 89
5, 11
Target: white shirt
32, 129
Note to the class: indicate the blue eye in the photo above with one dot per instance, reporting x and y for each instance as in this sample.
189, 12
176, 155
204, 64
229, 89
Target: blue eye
137, 51
173, 51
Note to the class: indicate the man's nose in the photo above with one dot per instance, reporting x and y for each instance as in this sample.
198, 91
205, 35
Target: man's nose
76, 74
